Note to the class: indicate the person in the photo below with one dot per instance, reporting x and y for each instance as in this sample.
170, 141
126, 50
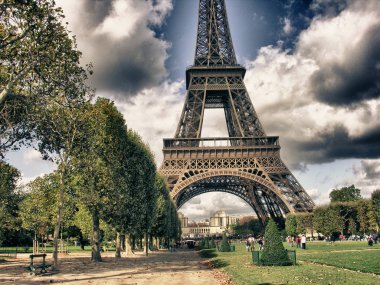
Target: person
248, 244
370, 241
374, 237
303, 241
290, 241
298, 241
260, 242
252, 243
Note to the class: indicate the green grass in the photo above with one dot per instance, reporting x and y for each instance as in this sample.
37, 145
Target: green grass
364, 261
337, 246
238, 265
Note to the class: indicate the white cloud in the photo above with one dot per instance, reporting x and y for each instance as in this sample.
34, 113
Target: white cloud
205, 205
31, 156
154, 113
123, 19
287, 28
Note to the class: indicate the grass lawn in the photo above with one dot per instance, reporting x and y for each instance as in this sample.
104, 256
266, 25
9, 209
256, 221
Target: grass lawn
238, 265
365, 261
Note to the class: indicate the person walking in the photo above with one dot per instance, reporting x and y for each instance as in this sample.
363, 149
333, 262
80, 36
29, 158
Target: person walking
248, 244
261, 243
303, 242
298, 242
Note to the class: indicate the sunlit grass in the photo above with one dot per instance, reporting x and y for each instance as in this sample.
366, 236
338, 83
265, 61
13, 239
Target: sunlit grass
238, 265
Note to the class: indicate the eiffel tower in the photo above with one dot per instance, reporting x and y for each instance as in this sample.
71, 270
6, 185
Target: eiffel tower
247, 163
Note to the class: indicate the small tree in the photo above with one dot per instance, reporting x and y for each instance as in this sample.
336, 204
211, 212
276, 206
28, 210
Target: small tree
225, 246
291, 225
206, 243
274, 252
212, 243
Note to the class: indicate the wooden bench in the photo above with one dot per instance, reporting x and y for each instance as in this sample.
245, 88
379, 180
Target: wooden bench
33, 267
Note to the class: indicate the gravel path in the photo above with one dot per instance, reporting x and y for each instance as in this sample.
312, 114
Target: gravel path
181, 267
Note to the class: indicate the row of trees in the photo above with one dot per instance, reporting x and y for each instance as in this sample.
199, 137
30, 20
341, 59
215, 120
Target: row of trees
105, 173
347, 214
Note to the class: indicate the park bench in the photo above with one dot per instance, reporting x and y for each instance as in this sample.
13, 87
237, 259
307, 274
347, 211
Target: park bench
33, 267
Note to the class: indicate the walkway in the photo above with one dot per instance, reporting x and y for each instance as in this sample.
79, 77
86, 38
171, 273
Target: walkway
181, 267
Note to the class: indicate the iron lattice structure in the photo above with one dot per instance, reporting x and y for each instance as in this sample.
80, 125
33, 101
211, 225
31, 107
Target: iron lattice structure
247, 163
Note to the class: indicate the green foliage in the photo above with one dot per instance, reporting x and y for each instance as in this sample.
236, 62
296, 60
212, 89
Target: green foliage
225, 245
212, 244
327, 220
274, 252
304, 222
375, 198
9, 200
291, 225
345, 194
247, 225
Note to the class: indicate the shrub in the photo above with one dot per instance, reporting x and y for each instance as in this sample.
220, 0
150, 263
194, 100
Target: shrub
225, 246
206, 243
212, 244
274, 252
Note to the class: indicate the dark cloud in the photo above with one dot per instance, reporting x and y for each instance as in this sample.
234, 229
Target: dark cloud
97, 11
354, 80
125, 67
336, 143
118, 38
371, 169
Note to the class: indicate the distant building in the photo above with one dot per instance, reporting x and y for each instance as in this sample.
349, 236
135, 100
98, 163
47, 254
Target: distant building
218, 223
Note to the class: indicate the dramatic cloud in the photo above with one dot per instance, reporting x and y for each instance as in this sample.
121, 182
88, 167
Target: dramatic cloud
346, 51
365, 176
118, 37
322, 98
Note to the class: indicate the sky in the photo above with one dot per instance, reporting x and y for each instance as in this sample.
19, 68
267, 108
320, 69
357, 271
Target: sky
313, 75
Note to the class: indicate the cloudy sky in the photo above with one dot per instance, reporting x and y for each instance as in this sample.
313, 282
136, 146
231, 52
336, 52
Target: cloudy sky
313, 74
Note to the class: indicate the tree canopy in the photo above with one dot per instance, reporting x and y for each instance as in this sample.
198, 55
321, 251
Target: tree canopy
345, 194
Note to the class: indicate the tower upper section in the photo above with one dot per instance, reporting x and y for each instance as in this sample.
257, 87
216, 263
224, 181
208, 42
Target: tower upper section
214, 43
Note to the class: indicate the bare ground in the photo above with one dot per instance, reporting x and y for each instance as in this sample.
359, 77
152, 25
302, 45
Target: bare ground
181, 267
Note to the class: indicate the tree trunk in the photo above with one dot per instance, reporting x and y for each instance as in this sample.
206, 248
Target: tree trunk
146, 243
128, 249
59, 218
122, 242
95, 256
118, 246
81, 240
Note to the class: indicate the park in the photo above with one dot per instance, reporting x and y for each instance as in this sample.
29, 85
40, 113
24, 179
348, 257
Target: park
102, 143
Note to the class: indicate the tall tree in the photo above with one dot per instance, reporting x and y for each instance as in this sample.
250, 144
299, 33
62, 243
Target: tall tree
9, 199
375, 198
327, 220
39, 61
345, 194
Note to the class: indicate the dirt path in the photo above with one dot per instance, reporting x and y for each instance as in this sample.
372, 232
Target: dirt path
180, 267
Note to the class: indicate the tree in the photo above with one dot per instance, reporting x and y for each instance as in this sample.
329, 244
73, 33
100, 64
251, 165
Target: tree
225, 245
291, 225
345, 194
39, 207
305, 222
98, 176
375, 198
40, 63
274, 252
39, 60
9, 199
327, 220
366, 216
